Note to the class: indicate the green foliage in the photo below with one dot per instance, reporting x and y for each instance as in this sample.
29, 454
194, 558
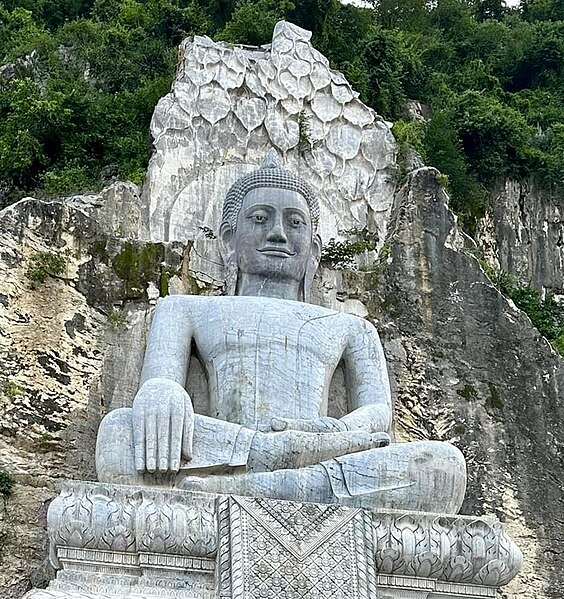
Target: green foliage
6, 483
11, 389
467, 392
546, 314
252, 21
117, 321
342, 254
443, 150
81, 79
44, 264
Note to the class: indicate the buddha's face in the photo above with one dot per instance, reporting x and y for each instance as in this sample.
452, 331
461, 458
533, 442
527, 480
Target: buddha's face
274, 236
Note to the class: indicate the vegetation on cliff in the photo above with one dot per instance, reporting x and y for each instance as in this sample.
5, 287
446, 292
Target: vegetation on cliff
80, 80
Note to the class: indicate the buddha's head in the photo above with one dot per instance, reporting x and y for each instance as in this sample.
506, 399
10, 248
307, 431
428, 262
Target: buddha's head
269, 232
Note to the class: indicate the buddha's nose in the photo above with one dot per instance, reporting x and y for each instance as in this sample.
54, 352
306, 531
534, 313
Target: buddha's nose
276, 233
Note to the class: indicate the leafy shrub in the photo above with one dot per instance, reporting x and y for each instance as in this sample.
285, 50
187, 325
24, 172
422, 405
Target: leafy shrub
44, 264
6, 483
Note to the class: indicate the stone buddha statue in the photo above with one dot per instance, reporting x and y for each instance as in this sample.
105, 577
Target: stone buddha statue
269, 357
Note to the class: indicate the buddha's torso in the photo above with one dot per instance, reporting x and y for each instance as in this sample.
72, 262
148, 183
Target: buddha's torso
267, 357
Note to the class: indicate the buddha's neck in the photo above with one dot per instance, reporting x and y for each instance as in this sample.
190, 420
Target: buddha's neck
261, 286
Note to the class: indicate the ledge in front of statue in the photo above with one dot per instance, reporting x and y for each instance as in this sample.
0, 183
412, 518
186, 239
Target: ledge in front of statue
150, 542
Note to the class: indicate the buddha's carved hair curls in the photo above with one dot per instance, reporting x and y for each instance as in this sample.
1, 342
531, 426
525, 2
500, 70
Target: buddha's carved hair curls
270, 174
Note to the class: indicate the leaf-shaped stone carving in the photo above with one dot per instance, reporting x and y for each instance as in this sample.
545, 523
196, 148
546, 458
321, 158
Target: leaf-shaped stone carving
250, 111
283, 133
326, 107
344, 140
213, 103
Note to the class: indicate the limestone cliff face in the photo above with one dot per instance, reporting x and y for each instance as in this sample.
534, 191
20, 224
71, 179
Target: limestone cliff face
466, 365
523, 234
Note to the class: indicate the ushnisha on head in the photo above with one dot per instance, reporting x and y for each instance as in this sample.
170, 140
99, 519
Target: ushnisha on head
268, 233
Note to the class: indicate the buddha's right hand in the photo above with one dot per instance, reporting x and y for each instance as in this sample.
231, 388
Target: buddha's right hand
163, 426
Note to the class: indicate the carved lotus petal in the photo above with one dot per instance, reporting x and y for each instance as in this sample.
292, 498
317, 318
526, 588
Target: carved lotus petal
494, 573
378, 147
320, 76
282, 44
213, 103
254, 83
338, 78
266, 68
290, 83
321, 161
344, 140
303, 51
326, 107
316, 127
342, 93
299, 68
206, 53
277, 90
388, 561
283, 133
186, 95
285, 29
426, 565
232, 72
458, 569
251, 112
357, 113
229, 78
281, 61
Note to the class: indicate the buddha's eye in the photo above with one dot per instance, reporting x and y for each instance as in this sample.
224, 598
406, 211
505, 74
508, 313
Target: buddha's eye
259, 218
296, 221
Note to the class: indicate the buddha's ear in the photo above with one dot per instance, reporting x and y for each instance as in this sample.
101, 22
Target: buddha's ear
227, 251
312, 265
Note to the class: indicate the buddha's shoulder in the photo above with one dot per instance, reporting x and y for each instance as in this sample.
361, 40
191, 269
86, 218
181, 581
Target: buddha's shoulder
246, 304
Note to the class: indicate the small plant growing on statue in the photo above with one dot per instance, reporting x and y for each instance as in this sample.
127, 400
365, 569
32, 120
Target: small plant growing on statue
342, 254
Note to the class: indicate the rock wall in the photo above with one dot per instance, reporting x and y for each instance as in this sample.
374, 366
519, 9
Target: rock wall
466, 365
523, 234
73, 318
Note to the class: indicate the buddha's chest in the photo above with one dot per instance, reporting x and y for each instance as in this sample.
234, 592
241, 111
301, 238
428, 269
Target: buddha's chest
270, 335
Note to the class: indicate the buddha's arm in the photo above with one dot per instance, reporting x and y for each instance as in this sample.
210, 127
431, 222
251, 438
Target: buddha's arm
163, 419
368, 387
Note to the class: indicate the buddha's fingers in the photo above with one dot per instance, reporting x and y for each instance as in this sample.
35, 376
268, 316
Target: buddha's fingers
151, 441
139, 441
164, 439
187, 431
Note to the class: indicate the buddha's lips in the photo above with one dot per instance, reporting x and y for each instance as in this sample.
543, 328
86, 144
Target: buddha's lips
276, 251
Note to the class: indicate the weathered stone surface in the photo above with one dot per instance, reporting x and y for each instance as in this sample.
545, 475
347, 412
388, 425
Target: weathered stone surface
70, 348
523, 234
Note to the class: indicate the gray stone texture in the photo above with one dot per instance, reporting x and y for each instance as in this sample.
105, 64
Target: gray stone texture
523, 234
465, 365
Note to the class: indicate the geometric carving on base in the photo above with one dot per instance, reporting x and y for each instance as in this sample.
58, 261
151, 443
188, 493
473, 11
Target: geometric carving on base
294, 550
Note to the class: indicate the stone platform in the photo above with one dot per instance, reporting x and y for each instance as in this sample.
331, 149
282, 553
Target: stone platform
145, 543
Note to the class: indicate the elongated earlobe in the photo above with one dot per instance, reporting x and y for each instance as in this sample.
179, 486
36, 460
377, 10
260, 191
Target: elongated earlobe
312, 266
226, 240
